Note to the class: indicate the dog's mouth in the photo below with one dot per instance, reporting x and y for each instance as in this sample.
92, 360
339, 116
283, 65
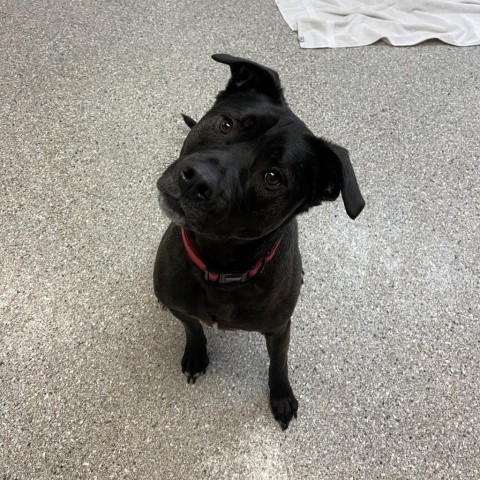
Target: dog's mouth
172, 209
181, 213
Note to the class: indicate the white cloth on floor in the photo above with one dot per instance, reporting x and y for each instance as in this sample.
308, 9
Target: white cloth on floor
352, 23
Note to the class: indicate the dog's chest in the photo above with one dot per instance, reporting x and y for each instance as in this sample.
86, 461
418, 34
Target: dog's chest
225, 317
228, 310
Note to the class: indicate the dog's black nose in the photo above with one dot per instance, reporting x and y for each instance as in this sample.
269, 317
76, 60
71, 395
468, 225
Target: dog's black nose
200, 181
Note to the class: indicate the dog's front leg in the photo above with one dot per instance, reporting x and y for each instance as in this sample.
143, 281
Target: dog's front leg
195, 358
282, 400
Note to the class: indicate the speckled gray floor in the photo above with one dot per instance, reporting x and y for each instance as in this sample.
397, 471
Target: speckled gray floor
385, 350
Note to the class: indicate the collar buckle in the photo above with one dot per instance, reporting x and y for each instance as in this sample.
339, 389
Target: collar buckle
216, 277
233, 277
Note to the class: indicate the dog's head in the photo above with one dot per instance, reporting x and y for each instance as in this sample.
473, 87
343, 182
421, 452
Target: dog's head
249, 165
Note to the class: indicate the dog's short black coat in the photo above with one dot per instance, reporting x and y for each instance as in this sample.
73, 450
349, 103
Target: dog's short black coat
246, 169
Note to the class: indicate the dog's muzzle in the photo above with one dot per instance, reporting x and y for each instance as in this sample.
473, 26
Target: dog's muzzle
199, 180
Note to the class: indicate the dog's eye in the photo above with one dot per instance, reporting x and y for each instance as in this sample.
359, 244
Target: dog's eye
273, 177
225, 125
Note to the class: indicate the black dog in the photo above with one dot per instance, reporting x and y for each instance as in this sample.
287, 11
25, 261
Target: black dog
230, 258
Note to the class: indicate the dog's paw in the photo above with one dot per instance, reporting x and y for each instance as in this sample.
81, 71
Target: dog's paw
194, 363
284, 409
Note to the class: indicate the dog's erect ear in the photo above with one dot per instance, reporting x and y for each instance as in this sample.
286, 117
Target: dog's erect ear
248, 75
334, 174
189, 120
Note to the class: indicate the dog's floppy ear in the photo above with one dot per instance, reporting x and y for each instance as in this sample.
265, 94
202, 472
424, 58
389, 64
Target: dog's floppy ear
248, 75
334, 174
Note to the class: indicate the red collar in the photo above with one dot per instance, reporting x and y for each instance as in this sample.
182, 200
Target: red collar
227, 277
